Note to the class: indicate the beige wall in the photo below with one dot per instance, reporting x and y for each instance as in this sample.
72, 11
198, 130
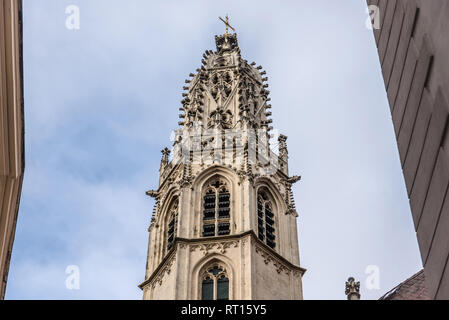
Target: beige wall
11, 129
255, 272
273, 280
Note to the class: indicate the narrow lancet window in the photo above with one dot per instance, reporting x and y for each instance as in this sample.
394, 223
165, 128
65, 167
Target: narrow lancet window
215, 284
265, 220
216, 210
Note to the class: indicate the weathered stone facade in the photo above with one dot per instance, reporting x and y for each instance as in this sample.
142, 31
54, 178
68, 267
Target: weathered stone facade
224, 212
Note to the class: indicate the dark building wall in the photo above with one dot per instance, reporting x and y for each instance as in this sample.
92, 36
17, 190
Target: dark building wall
12, 154
413, 45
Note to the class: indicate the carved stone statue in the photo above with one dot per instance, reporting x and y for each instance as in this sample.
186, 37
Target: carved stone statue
352, 289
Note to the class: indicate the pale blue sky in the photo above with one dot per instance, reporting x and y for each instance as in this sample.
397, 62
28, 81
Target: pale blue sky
101, 102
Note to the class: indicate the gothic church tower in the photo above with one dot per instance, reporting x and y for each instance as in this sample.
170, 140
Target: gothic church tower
224, 223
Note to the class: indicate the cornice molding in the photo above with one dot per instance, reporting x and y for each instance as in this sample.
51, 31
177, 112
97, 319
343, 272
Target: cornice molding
221, 243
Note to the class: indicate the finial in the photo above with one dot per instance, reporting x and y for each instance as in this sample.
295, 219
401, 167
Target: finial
282, 138
165, 154
352, 289
226, 22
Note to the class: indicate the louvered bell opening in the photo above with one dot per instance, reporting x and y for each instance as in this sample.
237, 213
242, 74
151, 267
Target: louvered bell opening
223, 200
223, 205
171, 239
260, 210
209, 207
269, 220
261, 230
223, 229
223, 213
271, 243
260, 220
209, 214
270, 229
209, 200
208, 230
268, 212
171, 233
269, 224
270, 236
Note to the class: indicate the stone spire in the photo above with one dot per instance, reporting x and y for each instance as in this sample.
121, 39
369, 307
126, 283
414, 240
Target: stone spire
164, 160
226, 91
224, 191
283, 153
229, 96
352, 289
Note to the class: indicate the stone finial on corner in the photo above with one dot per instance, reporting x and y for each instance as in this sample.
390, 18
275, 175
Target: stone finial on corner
352, 289
165, 154
283, 152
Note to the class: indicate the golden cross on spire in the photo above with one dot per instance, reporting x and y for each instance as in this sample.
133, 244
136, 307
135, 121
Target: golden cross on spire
226, 22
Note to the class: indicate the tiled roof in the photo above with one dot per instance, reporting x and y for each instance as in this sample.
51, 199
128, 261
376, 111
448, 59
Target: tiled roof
414, 288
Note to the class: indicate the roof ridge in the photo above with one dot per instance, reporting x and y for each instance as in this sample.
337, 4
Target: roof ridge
389, 293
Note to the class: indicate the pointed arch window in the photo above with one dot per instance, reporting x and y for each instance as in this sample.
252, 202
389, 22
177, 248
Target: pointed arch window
215, 283
172, 224
216, 210
265, 219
